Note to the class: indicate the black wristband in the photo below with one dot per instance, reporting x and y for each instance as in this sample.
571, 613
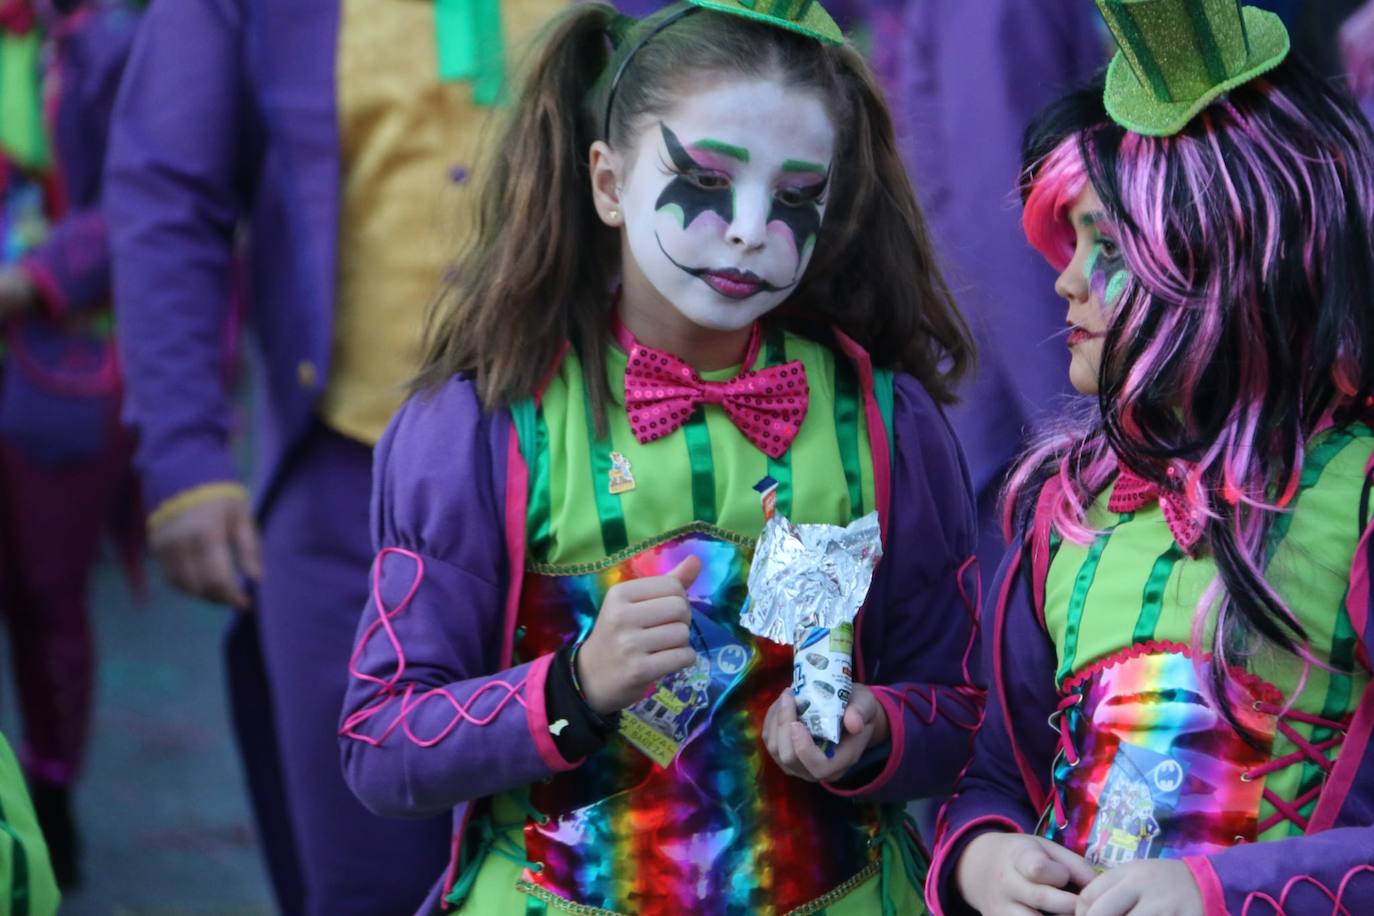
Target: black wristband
577, 729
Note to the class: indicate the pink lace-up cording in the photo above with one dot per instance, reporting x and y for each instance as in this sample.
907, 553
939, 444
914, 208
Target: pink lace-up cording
387, 693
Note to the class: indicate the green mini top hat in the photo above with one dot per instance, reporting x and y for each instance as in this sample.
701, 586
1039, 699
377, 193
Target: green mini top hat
1175, 56
804, 16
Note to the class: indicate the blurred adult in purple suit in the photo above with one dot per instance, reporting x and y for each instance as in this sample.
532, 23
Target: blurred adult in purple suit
963, 80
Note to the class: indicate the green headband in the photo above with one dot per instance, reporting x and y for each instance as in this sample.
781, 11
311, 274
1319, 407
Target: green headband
1175, 57
806, 17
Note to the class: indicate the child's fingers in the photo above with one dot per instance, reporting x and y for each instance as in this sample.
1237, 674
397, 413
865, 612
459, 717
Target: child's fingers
1096, 889
669, 661
666, 636
1081, 874
810, 761
1045, 899
686, 572
862, 710
787, 708
654, 612
1117, 900
1036, 866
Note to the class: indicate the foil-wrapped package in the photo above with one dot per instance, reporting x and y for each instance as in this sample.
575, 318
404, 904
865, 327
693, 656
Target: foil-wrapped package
806, 586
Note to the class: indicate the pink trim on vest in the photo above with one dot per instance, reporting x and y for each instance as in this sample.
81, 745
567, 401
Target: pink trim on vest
882, 463
942, 848
517, 498
1347, 766
1034, 791
1040, 548
1357, 599
1213, 898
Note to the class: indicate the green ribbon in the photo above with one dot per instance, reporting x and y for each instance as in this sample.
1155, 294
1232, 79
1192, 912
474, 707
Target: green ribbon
847, 402
471, 47
22, 135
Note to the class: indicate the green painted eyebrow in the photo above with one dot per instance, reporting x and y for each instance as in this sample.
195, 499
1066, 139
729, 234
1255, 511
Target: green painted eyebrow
725, 149
1090, 220
801, 165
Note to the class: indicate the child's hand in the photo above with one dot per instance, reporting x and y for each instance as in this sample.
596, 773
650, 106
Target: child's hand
1014, 874
1151, 887
642, 634
792, 747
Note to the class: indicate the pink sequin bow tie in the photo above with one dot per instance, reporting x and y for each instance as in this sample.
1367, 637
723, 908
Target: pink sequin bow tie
1133, 492
767, 405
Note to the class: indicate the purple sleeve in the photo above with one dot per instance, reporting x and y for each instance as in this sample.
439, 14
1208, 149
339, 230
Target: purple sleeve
71, 268
172, 199
430, 717
919, 660
1327, 872
1003, 787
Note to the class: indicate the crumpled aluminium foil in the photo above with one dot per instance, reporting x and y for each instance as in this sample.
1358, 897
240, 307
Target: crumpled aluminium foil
806, 586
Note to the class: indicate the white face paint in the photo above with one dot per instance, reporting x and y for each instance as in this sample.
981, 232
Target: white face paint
723, 204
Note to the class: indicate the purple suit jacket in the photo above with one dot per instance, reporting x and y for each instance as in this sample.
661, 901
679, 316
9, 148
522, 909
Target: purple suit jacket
227, 113
435, 715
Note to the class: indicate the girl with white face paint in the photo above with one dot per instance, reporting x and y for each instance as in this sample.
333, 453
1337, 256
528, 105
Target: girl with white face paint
670, 326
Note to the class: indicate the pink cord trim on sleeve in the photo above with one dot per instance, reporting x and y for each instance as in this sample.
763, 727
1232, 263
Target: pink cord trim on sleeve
1213, 899
973, 608
945, 844
409, 701
1337, 896
537, 717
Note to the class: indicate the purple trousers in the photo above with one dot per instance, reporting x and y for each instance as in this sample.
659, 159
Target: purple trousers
317, 553
51, 522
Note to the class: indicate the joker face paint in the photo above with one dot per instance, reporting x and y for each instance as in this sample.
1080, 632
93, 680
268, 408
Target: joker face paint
1093, 283
724, 200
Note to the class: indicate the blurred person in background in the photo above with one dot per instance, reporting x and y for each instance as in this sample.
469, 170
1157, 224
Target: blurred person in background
963, 79
340, 132
65, 475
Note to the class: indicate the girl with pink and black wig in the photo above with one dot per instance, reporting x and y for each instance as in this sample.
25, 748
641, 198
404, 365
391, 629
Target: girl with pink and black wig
1186, 598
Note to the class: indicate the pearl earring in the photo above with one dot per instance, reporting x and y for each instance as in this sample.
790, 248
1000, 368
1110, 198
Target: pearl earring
614, 215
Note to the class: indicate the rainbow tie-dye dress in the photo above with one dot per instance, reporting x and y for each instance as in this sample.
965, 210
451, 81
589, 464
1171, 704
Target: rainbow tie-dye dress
1147, 766
684, 811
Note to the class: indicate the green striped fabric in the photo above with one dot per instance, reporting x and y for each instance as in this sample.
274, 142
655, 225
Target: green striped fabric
704, 472
1134, 579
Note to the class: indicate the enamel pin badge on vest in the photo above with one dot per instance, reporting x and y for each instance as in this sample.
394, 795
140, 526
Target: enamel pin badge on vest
622, 481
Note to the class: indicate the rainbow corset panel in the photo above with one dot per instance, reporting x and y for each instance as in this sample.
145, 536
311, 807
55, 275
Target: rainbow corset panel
684, 811
1147, 768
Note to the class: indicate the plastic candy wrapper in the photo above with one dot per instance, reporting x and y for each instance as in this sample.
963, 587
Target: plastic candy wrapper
806, 586
681, 704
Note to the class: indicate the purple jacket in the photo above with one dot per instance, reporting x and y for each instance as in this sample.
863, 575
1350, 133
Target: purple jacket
435, 716
227, 112
1007, 787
